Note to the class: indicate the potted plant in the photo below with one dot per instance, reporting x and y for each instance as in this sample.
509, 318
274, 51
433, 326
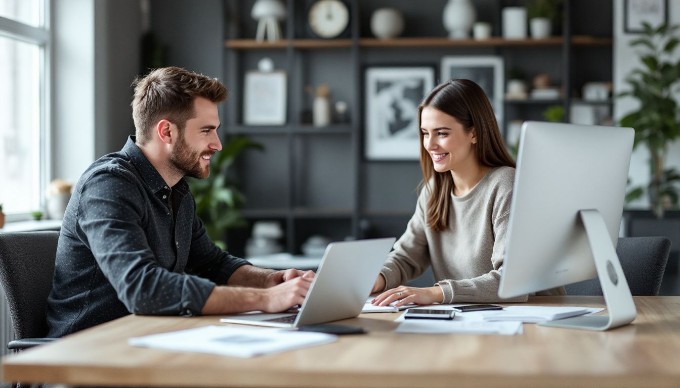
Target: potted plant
542, 14
218, 200
656, 120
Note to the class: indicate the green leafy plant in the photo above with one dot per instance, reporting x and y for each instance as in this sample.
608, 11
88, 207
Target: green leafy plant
554, 113
218, 199
656, 120
37, 215
550, 9
0, 207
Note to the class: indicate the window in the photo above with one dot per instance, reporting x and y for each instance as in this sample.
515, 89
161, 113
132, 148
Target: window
24, 140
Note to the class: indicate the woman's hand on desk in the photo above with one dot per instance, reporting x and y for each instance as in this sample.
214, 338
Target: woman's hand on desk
402, 295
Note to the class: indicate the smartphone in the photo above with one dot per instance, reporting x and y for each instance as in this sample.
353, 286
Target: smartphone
429, 314
476, 307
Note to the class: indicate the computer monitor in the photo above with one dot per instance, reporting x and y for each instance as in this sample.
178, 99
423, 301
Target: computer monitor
565, 216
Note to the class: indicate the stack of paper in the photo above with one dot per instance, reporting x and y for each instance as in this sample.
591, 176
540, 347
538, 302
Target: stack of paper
433, 326
232, 341
535, 314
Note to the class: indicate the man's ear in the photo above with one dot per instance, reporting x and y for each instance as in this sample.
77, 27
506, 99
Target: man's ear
164, 131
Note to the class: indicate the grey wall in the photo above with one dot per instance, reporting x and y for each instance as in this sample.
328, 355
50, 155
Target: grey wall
197, 38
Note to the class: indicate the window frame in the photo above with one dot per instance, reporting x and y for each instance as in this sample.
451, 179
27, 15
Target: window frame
41, 36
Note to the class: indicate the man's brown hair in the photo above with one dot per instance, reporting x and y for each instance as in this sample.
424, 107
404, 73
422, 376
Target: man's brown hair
169, 93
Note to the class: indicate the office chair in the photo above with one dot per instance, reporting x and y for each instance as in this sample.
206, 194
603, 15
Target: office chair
643, 260
26, 270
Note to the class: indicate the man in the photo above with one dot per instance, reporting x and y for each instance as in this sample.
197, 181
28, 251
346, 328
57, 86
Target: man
131, 241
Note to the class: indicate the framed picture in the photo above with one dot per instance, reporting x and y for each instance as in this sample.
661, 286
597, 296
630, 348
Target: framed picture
486, 71
265, 98
392, 95
636, 12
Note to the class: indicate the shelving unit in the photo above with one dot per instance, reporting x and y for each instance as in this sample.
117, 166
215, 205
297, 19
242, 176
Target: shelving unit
317, 180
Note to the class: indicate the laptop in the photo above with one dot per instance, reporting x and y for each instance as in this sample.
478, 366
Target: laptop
339, 290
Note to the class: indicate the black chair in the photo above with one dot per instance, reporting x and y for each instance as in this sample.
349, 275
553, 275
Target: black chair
643, 260
26, 271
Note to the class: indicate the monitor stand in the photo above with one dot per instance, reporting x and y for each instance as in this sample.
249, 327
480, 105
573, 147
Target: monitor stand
617, 296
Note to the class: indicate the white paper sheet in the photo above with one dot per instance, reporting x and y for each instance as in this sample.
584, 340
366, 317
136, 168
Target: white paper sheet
536, 314
370, 308
461, 326
232, 341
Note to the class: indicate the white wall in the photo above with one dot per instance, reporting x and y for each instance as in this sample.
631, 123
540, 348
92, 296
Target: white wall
95, 59
73, 60
625, 60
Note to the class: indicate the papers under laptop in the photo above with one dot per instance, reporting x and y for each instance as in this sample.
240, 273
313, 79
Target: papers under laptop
339, 290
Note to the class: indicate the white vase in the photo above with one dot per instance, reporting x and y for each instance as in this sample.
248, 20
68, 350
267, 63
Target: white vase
321, 111
387, 23
459, 16
56, 205
540, 28
514, 23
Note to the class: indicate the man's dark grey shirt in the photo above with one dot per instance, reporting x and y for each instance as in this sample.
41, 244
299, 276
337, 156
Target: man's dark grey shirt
131, 244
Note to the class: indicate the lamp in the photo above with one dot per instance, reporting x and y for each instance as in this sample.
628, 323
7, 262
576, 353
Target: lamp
267, 13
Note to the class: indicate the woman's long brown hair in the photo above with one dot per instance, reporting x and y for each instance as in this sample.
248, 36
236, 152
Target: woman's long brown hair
466, 102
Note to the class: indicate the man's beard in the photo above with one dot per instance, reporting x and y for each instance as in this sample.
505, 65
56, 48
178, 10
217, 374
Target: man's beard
188, 162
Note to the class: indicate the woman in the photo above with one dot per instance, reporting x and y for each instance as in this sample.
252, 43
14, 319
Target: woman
461, 218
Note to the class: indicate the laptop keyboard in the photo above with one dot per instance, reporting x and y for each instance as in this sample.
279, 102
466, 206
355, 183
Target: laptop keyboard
284, 319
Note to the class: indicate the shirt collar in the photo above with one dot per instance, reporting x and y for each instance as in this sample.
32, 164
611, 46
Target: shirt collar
148, 172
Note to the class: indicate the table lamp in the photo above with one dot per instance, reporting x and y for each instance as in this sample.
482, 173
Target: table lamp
268, 13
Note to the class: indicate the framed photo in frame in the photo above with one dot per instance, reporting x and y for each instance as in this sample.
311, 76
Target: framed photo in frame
265, 98
636, 12
486, 71
392, 95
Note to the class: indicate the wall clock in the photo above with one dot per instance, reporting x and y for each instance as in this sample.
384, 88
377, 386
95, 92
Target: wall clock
328, 19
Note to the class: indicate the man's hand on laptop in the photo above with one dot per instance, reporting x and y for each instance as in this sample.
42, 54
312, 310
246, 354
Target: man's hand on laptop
279, 277
287, 294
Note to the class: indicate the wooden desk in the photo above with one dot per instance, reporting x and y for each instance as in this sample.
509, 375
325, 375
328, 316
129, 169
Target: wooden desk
643, 354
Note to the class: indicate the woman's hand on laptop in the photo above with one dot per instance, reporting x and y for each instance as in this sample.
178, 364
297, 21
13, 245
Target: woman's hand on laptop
402, 295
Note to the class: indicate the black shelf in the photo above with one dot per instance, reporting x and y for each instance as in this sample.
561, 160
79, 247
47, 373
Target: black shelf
317, 180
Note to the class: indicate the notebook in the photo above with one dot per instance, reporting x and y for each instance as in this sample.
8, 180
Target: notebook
339, 290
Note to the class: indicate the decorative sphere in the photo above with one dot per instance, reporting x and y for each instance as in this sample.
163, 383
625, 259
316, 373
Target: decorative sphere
387, 23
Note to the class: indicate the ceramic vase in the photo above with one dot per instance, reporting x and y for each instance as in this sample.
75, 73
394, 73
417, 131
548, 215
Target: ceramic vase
540, 28
459, 16
56, 205
514, 23
321, 111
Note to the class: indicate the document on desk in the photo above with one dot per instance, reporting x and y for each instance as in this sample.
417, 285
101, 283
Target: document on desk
233, 341
532, 314
460, 326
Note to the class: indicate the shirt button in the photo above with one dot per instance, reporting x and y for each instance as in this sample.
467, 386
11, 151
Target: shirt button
165, 196
177, 244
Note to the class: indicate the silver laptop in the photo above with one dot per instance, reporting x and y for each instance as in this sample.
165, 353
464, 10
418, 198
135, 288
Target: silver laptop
339, 290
